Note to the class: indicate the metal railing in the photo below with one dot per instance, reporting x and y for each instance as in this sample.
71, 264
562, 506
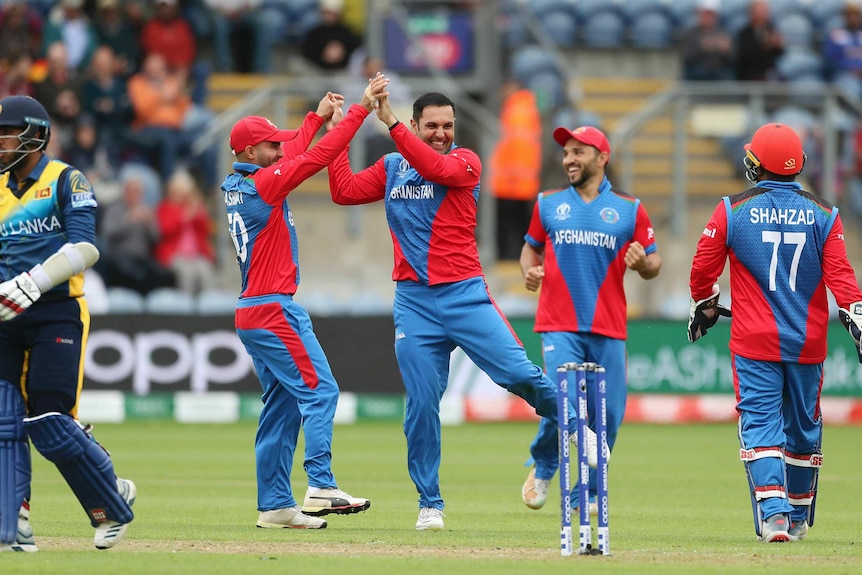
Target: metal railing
827, 102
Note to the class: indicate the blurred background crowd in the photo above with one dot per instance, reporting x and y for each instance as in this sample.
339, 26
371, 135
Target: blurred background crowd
128, 86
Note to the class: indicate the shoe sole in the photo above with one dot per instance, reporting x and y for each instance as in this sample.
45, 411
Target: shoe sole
340, 510
262, 525
777, 538
19, 548
431, 527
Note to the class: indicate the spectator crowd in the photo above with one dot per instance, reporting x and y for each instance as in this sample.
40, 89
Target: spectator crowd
125, 84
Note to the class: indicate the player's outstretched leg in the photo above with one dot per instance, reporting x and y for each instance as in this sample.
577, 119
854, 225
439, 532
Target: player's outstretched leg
332, 500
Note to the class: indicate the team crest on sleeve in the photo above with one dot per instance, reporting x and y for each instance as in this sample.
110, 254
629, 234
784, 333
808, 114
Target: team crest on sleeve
609, 215
563, 211
82, 191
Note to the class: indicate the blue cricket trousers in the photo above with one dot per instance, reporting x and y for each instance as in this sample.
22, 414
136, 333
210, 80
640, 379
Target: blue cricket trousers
298, 390
429, 322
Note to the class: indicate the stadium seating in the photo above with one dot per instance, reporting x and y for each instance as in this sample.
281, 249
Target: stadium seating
797, 117
796, 28
124, 300
539, 7
798, 63
805, 91
605, 29
636, 9
780, 8
652, 30
571, 118
530, 60
550, 90
560, 27
826, 11
216, 302
169, 301
683, 13
587, 8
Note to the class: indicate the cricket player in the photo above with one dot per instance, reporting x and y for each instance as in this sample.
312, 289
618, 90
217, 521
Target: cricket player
785, 246
299, 389
581, 240
430, 188
47, 235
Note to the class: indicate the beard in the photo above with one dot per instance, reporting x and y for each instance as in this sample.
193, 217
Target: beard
587, 172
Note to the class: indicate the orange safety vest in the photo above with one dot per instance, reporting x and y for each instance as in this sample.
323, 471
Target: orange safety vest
516, 162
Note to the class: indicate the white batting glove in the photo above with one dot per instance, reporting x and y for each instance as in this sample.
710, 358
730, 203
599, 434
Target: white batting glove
16, 295
852, 320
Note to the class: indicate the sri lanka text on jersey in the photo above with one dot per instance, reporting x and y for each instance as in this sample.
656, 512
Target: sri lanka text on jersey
781, 216
586, 237
29, 227
410, 192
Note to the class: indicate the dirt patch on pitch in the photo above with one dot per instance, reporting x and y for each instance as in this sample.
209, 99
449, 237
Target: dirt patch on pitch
289, 548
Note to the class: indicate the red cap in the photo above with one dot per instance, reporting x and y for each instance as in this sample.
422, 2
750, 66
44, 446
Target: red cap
778, 149
585, 135
253, 130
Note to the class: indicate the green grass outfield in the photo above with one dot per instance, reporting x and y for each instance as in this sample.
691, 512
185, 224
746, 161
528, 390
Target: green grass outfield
678, 504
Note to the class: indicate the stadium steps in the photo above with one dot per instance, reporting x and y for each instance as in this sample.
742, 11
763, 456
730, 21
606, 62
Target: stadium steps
226, 90
709, 173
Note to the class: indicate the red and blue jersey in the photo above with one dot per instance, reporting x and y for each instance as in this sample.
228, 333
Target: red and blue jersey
431, 201
584, 247
259, 217
785, 247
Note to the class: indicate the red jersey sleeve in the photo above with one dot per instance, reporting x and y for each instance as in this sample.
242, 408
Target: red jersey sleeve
276, 181
536, 231
710, 256
644, 233
837, 272
349, 189
309, 127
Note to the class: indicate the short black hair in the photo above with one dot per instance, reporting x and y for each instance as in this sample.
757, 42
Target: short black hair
430, 99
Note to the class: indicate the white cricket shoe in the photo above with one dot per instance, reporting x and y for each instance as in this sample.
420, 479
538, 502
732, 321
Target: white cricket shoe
534, 492
289, 518
24, 540
111, 532
332, 500
430, 519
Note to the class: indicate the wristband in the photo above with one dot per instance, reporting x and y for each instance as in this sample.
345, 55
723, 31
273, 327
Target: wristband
392, 127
